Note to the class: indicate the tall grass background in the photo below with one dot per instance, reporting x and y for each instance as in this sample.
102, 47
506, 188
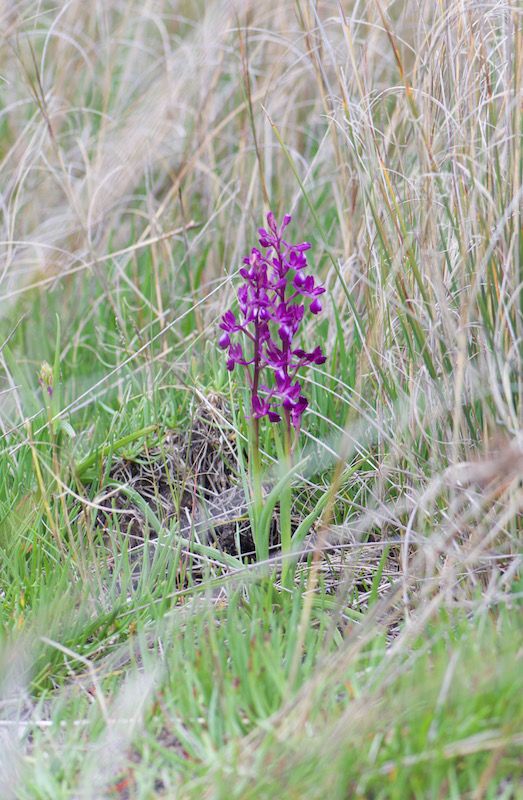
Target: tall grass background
140, 146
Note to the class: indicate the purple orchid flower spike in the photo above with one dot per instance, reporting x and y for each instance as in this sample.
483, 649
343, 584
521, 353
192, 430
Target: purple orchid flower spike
271, 308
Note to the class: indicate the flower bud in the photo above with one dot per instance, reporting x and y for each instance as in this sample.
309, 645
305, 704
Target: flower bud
45, 378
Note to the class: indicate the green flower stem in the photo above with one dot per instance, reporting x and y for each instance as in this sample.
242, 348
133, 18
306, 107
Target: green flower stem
261, 540
286, 501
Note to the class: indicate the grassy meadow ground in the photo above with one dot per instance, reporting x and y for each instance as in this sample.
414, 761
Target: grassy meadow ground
141, 144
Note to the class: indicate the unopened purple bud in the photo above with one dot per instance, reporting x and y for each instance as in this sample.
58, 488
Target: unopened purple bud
271, 221
286, 219
224, 340
316, 306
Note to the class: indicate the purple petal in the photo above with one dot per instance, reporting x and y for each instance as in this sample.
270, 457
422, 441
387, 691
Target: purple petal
259, 407
316, 306
318, 356
284, 333
299, 280
309, 283
298, 410
297, 260
228, 322
282, 380
256, 403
